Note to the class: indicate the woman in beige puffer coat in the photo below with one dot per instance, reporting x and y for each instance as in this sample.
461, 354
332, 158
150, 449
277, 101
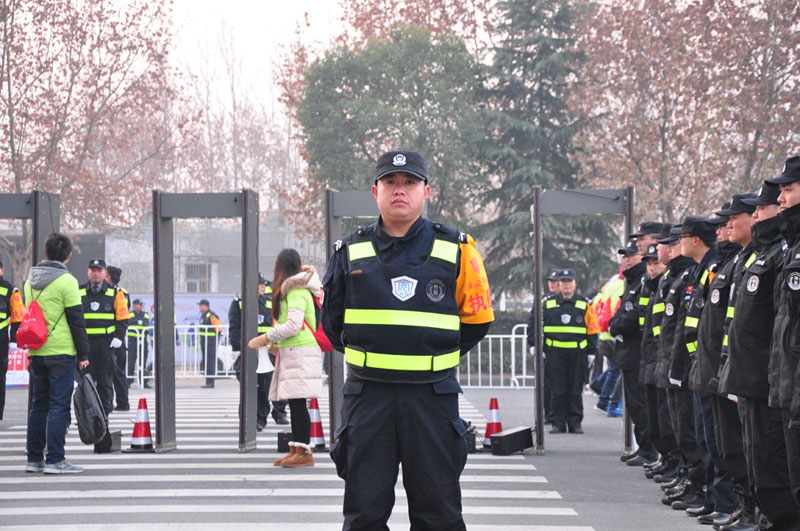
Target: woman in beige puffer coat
298, 365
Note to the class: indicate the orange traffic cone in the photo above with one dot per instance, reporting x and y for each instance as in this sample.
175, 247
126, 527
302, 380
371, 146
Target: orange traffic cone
317, 436
141, 440
493, 425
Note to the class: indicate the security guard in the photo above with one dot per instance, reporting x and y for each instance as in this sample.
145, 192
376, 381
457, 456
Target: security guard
210, 328
745, 372
570, 334
264, 324
11, 310
554, 289
784, 383
106, 312
138, 331
625, 328
404, 299
121, 382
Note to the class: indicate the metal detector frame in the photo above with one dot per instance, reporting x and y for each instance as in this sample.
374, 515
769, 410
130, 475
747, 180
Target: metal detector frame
569, 203
166, 207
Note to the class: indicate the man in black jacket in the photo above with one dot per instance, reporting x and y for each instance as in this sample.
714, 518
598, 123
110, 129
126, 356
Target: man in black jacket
624, 328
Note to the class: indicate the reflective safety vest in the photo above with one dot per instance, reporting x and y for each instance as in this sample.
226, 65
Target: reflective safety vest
6, 293
209, 331
565, 323
98, 309
695, 310
402, 323
138, 325
264, 311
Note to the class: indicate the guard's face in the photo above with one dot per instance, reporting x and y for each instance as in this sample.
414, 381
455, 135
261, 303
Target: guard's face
687, 244
723, 234
400, 197
631, 259
567, 286
790, 195
765, 212
96, 275
137, 308
674, 249
643, 241
655, 267
553, 286
663, 254
739, 227
203, 308
261, 289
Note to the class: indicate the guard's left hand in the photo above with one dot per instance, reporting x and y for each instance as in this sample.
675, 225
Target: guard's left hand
116, 342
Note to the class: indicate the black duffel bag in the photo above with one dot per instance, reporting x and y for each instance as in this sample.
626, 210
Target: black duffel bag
92, 422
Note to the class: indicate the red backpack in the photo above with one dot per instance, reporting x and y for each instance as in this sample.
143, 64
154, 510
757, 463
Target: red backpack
319, 334
32, 331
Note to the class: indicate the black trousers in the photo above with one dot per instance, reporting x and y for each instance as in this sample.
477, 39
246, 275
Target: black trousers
682, 409
134, 354
120, 377
767, 466
301, 420
567, 371
101, 367
792, 437
262, 396
3, 368
547, 392
208, 349
418, 425
637, 408
658, 422
730, 444
720, 495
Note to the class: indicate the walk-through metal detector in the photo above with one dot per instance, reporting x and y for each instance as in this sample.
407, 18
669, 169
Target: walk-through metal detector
569, 203
166, 207
340, 205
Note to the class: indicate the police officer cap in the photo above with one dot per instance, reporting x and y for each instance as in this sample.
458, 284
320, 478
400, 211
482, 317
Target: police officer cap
261, 278
204, 301
566, 274
698, 226
652, 252
553, 275
767, 195
721, 220
137, 301
666, 235
408, 162
791, 172
98, 263
738, 205
630, 248
647, 227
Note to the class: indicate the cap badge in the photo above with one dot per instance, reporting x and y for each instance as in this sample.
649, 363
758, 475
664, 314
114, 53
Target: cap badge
566, 318
404, 287
399, 160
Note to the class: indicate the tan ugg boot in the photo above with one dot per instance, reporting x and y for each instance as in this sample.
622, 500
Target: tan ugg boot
303, 456
280, 460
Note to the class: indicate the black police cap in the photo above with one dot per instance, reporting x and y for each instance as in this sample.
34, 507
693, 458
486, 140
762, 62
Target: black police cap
652, 252
409, 162
767, 195
97, 262
629, 249
738, 205
261, 278
791, 172
566, 274
553, 275
204, 301
647, 227
137, 301
700, 227
721, 220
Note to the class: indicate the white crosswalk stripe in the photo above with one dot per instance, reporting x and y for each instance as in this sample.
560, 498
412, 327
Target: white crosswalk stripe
207, 483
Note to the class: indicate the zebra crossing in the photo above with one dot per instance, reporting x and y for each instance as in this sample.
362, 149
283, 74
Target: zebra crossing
207, 483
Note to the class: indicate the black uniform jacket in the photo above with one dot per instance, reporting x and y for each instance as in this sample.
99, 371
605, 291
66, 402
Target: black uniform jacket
712, 319
651, 335
783, 378
750, 334
673, 301
624, 325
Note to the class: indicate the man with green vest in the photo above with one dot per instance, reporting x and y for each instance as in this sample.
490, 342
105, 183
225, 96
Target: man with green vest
106, 311
52, 367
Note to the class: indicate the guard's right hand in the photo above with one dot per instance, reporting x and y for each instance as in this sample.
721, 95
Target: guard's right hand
83, 364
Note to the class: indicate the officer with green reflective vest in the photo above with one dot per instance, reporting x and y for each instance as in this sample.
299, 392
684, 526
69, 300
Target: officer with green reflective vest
209, 330
405, 298
264, 379
570, 334
106, 312
11, 310
553, 290
138, 331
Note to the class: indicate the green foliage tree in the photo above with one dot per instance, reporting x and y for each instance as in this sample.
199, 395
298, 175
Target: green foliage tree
410, 91
530, 142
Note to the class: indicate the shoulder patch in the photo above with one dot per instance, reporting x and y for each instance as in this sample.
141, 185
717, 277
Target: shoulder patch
337, 246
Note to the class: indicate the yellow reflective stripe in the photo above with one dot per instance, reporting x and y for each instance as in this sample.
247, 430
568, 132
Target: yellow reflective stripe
551, 303
357, 251
3, 290
658, 307
212, 333
264, 329
402, 362
566, 344
581, 305
108, 316
82, 292
268, 304
691, 347
691, 322
94, 331
139, 327
564, 330
641, 321
704, 277
110, 292
644, 301
656, 331
4, 324
3, 315
444, 250
750, 260
725, 341
402, 318
729, 313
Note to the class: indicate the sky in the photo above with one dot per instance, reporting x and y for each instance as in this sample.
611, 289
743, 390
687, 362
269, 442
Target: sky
258, 27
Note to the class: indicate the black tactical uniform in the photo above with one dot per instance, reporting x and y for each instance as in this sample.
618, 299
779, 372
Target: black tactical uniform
121, 366
138, 331
208, 332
